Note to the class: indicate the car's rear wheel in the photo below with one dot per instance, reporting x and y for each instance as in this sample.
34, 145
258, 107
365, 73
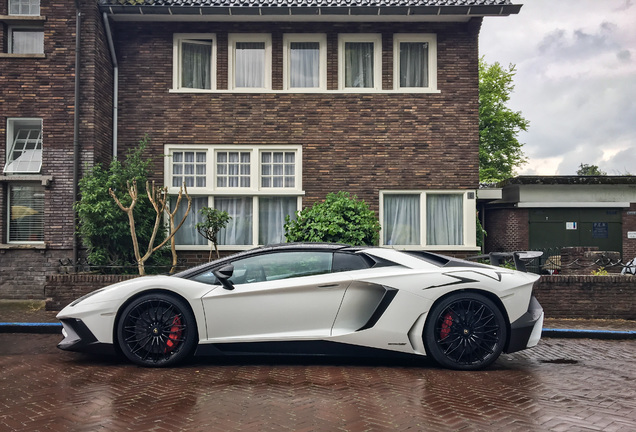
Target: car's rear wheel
157, 330
465, 331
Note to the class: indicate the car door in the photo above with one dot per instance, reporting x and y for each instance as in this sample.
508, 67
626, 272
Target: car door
277, 296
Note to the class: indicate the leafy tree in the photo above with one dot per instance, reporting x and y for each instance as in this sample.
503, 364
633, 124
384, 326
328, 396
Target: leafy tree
213, 221
500, 151
341, 218
103, 227
589, 170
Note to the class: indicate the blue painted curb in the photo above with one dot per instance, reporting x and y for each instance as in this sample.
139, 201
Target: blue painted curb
38, 328
590, 334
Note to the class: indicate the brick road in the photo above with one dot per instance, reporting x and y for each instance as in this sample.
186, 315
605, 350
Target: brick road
562, 385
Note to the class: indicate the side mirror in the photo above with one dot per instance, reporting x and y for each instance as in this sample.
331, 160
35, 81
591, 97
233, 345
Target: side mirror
224, 274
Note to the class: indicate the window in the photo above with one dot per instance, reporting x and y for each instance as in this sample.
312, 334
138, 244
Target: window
26, 213
194, 58
360, 61
415, 62
24, 7
257, 186
24, 146
282, 265
26, 40
427, 219
250, 61
305, 60
189, 167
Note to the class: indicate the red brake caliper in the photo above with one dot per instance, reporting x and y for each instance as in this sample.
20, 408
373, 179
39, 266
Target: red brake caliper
446, 326
175, 334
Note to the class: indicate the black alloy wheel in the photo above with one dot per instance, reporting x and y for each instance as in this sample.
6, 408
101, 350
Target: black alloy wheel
157, 330
465, 331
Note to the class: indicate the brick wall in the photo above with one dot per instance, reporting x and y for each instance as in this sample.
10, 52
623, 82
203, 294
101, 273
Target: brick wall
508, 230
591, 297
629, 224
356, 142
44, 88
594, 297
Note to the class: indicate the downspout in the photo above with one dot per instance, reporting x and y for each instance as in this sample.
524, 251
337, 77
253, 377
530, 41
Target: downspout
113, 58
76, 121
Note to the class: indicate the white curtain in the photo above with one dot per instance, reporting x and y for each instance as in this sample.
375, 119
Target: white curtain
239, 229
401, 219
187, 234
413, 64
359, 64
196, 64
27, 42
444, 216
271, 217
304, 64
249, 65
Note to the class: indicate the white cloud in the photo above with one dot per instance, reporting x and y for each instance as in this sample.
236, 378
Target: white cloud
575, 82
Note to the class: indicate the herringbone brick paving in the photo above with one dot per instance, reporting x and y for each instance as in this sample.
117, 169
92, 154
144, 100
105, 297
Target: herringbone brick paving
561, 385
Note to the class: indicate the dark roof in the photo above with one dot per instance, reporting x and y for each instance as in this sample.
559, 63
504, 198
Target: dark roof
568, 180
310, 7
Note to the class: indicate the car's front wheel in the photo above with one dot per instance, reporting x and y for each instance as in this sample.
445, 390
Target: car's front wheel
465, 331
157, 330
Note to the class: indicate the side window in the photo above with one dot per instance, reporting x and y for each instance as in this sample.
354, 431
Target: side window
348, 261
281, 265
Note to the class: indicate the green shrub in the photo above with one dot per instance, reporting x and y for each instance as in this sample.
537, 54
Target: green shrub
339, 219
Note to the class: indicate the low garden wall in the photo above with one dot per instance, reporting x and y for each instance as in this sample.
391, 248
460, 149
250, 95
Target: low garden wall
590, 297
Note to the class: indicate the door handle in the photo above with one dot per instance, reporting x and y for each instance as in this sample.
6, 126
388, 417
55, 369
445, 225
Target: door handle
334, 285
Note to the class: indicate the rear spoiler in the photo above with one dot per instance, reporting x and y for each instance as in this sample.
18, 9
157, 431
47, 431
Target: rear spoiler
521, 259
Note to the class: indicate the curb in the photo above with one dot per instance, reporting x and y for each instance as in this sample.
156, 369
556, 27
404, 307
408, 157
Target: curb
55, 328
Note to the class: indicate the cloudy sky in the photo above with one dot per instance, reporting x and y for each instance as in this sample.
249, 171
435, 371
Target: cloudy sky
575, 82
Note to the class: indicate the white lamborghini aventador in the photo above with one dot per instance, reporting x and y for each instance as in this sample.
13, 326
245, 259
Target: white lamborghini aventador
313, 299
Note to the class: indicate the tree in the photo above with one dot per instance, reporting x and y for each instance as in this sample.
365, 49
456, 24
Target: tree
500, 152
341, 218
213, 221
103, 228
589, 170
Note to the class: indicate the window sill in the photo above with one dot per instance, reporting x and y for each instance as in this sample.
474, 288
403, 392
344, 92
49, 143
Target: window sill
34, 246
22, 56
45, 180
305, 91
434, 248
22, 18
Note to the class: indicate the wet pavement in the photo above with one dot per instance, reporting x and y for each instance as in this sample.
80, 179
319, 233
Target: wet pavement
561, 385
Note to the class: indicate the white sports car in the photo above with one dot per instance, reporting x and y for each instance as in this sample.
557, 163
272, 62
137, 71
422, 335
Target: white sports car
313, 299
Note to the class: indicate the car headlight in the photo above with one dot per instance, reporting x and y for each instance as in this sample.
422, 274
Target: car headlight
84, 297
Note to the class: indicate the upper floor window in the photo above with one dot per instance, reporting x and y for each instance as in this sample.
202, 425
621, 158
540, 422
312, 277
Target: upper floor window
360, 61
305, 60
431, 218
26, 40
250, 61
194, 59
415, 62
24, 7
189, 167
24, 146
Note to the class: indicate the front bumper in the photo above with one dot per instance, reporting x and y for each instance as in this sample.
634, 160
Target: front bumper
526, 331
78, 338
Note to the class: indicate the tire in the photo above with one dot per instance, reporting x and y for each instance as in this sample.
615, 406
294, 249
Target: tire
465, 331
157, 330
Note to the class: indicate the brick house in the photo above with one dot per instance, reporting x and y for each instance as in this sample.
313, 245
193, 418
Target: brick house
261, 109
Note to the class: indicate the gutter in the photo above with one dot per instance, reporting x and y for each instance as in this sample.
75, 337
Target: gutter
113, 58
76, 120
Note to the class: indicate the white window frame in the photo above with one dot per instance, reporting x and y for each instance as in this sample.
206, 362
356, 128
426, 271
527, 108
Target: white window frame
13, 29
288, 39
13, 126
469, 217
22, 3
376, 39
177, 67
255, 191
233, 39
431, 40
10, 212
